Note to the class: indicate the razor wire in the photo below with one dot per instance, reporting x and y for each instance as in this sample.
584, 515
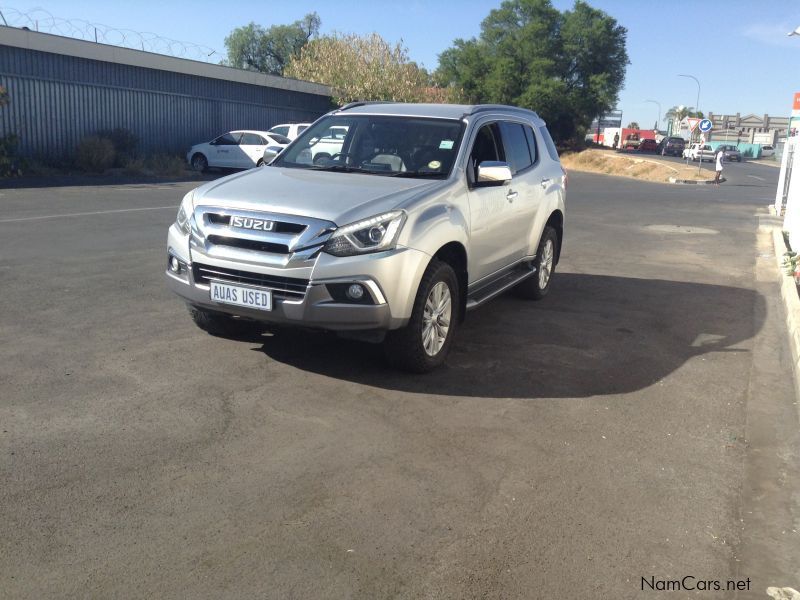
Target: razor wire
38, 19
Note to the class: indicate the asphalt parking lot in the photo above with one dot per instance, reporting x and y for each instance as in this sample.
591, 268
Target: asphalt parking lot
638, 422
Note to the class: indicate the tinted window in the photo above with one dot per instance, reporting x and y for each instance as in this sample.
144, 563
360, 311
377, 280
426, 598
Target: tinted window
279, 138
516, 146
301, 129
228, 139
251, 139
280, 130
531, 143
548, 142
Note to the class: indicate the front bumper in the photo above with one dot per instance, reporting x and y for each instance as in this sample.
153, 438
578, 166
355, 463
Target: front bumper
391, 278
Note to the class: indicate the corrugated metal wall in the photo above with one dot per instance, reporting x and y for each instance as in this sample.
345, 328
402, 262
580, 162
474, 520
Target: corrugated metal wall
56, 100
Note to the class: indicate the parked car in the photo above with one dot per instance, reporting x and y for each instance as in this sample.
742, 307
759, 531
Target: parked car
648, 145
730, 152
235, 149
672, 146
289, 130
767, 151
699, 152
631, 142
425, 212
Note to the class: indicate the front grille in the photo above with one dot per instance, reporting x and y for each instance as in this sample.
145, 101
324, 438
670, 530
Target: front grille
289, 288
260, 246
280, 226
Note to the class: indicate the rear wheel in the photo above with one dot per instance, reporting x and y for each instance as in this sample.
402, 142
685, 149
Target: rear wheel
424, 343
537, 286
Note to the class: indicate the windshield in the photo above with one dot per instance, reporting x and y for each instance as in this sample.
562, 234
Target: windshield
377, 145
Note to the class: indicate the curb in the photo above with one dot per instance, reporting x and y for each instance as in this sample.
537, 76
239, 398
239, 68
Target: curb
791, 300
694, 181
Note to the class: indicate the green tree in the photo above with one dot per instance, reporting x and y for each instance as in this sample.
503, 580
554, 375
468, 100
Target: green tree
678, 113
365, 68
269, 50
569, 67
633, 125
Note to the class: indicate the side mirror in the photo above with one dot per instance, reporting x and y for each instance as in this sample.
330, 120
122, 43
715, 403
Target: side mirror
493, 172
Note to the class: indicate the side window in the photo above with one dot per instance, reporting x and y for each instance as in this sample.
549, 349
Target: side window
228, 139
531, 137
487, 146
548, 142
516, 146
301, 129
251, 139
281, 130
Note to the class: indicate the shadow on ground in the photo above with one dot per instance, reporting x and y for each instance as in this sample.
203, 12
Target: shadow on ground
593, 335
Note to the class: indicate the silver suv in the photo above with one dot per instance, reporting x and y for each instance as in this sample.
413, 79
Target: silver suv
422, 212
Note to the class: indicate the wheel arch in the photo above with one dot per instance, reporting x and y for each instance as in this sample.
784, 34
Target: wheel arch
455, 255
556, 221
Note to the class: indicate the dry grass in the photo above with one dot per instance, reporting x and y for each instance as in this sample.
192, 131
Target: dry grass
648, 168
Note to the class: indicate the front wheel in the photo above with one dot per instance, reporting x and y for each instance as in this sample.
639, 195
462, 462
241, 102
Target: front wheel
217, 323
424, 343
199, 163
537, 286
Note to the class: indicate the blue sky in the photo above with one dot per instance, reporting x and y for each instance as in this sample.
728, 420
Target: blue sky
738, 49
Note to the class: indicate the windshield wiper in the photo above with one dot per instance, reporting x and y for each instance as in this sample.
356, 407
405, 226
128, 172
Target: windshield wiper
420, 174
342, 168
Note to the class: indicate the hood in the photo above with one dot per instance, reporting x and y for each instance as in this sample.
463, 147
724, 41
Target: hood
332, 196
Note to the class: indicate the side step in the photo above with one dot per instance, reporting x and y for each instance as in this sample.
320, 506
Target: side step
497, 287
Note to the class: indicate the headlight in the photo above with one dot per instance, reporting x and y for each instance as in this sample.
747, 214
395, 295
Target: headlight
185, 213
370, 235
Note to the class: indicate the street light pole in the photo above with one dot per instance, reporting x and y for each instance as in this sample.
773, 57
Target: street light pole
659, 109
697, 102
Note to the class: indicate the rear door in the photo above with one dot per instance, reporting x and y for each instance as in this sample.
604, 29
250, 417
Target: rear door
251, 148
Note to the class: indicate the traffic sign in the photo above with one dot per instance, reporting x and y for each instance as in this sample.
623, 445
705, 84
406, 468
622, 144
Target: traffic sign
692, 123
705, 125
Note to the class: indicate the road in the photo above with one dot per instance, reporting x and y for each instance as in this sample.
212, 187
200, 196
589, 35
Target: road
637, 423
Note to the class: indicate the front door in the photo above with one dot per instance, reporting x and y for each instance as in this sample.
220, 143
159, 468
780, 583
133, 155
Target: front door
495, 237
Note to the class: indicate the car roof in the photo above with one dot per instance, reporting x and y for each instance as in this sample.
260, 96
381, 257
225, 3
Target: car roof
249, 131
441, 111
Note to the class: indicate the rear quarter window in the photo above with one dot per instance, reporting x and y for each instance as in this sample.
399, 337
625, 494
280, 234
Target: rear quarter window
548, 143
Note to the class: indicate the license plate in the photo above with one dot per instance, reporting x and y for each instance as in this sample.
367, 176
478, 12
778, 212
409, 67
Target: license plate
240, 295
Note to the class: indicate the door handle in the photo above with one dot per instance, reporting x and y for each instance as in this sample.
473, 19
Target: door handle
512, 195
545, 182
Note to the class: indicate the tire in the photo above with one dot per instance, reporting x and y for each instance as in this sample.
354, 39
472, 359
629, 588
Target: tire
260, 162
320, 158
217, 323
537, 286
199, 163
405, 348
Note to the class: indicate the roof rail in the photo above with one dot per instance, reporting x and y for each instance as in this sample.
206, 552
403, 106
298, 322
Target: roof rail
350, 105
488, 107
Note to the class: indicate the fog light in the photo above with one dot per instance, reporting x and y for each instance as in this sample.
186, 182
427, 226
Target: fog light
355, 292
174, 265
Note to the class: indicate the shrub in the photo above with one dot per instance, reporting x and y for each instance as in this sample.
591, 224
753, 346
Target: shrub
10, 163
95, 154
125, 143
167, 164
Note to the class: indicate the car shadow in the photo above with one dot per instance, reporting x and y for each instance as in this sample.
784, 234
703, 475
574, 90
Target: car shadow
593, 335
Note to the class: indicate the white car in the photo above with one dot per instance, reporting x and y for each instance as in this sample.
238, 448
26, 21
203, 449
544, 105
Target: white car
236, 149
767, 151
699, 152
289, 130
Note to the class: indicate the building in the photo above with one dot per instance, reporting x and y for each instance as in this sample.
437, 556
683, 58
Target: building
62, 89
752, 129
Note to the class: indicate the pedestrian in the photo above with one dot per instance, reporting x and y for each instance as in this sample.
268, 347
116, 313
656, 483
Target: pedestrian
720, 158
616, 141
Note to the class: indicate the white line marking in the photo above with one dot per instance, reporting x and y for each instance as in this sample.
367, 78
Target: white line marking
757, 177
86, 214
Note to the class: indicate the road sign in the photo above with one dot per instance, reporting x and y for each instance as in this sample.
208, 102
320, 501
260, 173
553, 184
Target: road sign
705, 125
692, 123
